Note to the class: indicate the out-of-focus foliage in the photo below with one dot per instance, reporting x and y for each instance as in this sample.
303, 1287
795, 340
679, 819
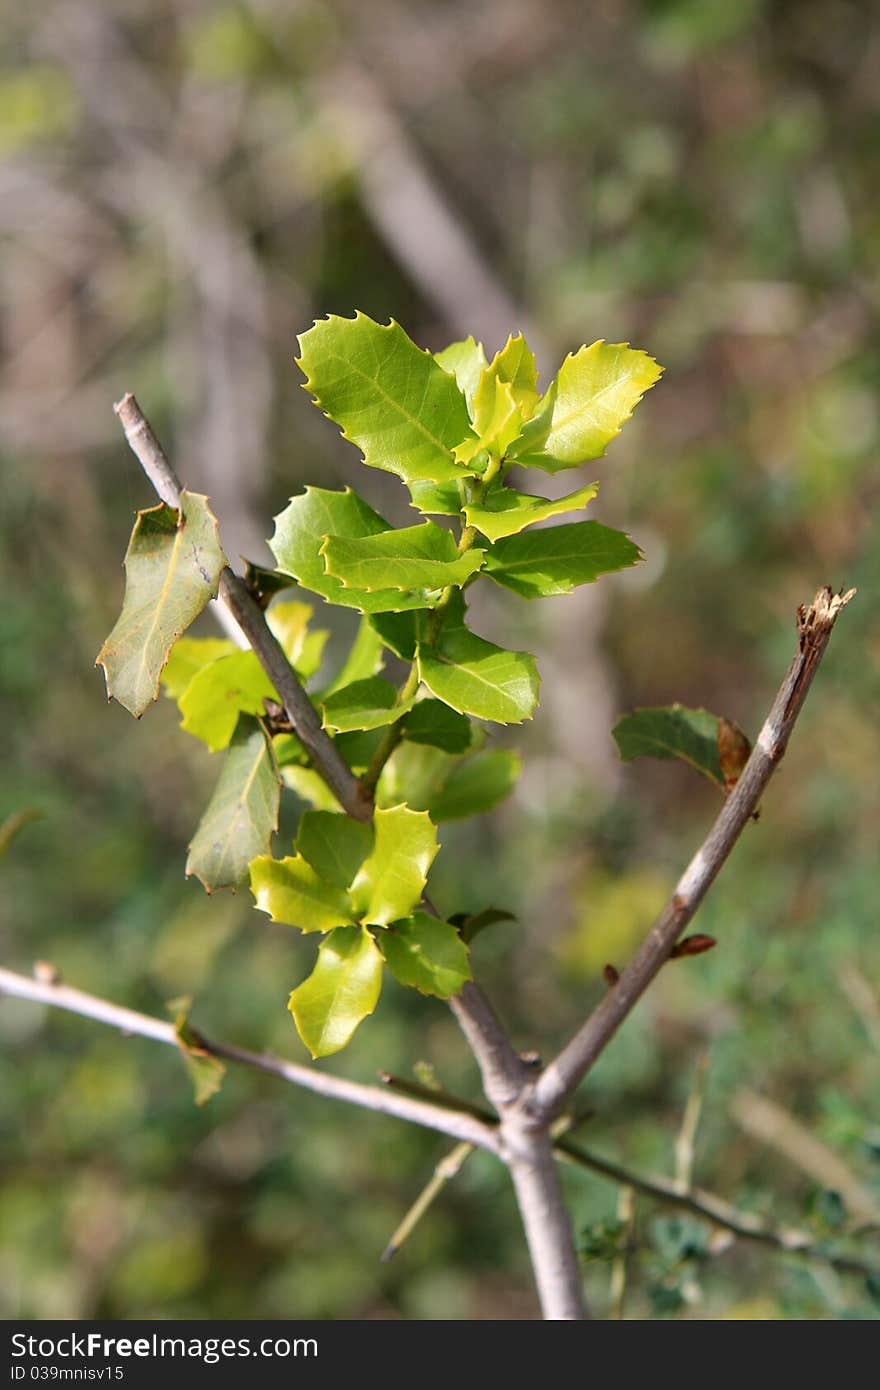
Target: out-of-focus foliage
184, 188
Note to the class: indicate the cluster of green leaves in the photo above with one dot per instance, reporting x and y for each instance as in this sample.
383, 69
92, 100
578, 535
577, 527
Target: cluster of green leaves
451, 427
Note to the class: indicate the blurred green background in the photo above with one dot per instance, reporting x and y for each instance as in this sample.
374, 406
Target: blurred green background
184, 186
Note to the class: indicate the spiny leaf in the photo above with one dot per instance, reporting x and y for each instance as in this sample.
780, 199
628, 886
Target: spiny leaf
290, 891
476, 785
505, 512
426, 954
388, 396
369, 704
241, 815
672, 732
595, 391
476, 677
465, 361
341, 991
205, 1071
334, 845
172, 569
391, 881
435, 723
497, 421
515, 364
556, 558
300, 531
415, 557
219, 692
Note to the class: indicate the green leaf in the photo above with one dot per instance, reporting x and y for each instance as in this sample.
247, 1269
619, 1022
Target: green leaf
505, 512
476, 677
188, 656
416, 557
398, 632
172, 569
497, 421
290, 891
369, 704
304, 650
364, 657
434, 723
341, 991
391, 881
300, 532
414, 773
595, 391
334, 845
388, 396
672, 732
466, 361
219, 692
476, 785
515, 364
426, 954
436, 499
556, 558
241, 815
206, 1072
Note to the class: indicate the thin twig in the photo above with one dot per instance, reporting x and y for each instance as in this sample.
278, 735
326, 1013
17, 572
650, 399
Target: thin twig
447, 1169
684, 1144
59, 996
236, 596
744, 1224
815, 624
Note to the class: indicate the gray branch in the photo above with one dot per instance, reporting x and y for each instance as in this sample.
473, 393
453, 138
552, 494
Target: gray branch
555, 1085
458, 1125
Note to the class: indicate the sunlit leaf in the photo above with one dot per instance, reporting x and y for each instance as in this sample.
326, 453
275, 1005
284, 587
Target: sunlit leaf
290, 891
205, 1071
368, 704
241, 815
188, 656
398, 632
304, 649
388, 396
341, 991
505, 512
465, 360
172, 569
300, 532
426, 954
364, 657
415, 557
595, 391
554, 559
391, 881
219, 692
476, 677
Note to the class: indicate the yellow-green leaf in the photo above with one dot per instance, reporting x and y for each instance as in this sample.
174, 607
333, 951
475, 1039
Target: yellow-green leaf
341, 991
391, 881
426, 954
506, 512
290, 891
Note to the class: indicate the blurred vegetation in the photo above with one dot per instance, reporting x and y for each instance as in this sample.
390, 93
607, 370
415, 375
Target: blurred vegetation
184, 186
